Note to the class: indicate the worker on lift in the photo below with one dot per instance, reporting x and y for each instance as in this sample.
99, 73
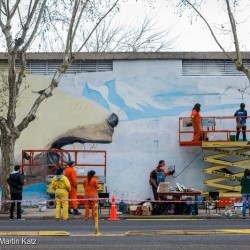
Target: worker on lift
70, 173
241, 116
196, 122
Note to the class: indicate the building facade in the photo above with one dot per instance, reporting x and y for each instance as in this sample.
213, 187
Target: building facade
148, 92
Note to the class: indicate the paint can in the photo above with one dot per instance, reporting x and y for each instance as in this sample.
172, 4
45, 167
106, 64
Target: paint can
42, 205
232, 138
238, 206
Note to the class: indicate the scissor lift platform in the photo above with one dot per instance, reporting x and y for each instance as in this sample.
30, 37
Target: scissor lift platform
230, 157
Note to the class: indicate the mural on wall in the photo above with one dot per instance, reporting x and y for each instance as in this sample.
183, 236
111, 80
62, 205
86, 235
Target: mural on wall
61, 120
148, 97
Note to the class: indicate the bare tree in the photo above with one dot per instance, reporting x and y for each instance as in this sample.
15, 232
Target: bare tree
22, 23
230, 8
141, 37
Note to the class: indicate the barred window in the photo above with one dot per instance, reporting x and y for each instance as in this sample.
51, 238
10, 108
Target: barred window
211, 68
48, 67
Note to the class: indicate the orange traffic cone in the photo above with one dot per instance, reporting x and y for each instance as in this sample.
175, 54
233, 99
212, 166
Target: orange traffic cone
113, 210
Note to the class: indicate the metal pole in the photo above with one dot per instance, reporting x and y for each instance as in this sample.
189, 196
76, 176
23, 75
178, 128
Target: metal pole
96, 219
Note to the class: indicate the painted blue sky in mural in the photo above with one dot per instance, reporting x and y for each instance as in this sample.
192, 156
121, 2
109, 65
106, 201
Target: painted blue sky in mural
138, 105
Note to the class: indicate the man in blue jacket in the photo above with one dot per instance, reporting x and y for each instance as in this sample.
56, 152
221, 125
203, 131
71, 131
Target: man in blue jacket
241, 116
16, 183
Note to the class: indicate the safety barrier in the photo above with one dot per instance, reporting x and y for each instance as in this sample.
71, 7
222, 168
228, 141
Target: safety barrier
128, 201
115, 201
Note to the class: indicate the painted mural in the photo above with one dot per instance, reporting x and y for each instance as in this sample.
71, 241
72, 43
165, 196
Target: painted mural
148, 97
61, 120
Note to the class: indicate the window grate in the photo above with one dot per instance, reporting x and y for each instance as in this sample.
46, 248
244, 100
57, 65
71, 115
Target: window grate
48, 67
211, 68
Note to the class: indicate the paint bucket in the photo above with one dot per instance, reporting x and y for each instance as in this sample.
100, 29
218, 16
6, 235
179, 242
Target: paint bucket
42, 205
238, 206
232, 138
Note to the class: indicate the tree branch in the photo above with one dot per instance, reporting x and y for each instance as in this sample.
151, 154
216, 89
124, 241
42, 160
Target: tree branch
97, 24
79, 19
238, 62
27, 44
210, 29
3, 125
14, 8
71, 26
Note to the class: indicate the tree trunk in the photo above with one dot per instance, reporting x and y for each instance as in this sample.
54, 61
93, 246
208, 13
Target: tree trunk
8, 162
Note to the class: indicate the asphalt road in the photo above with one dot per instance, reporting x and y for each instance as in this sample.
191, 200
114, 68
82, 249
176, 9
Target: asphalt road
81, 226
128, 234
191, 242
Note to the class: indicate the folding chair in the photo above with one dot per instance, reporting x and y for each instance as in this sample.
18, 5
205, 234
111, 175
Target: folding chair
213, 201
103, 203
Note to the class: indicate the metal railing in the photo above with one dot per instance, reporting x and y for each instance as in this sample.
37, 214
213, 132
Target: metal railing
213, 128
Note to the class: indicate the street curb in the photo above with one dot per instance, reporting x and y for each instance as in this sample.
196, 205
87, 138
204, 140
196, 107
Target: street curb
186, 232
35, 233
131, 233
100, 234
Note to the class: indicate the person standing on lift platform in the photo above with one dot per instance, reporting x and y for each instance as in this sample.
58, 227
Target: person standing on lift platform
241, 116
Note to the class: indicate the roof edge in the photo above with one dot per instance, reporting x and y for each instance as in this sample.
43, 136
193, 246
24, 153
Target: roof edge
132, 55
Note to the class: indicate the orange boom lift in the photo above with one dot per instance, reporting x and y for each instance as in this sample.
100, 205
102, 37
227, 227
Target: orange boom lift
46, 161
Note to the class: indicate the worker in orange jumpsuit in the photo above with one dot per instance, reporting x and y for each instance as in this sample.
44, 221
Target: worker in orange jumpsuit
196, 122
70, 173
90, 185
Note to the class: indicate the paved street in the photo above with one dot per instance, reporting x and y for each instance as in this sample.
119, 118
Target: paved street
203, 231
129, 227
191, 242
128, 234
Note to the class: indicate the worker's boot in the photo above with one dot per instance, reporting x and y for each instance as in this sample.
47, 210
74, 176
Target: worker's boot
76, 212
70, 212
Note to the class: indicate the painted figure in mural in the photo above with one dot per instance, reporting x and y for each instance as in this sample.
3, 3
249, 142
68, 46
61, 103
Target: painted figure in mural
70, 173
97, 126
245, 191
61, 185
241, 116
157, 176
16, 183
196, 122
90, 185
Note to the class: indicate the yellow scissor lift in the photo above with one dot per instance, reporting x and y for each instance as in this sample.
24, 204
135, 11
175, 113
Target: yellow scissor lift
229, 157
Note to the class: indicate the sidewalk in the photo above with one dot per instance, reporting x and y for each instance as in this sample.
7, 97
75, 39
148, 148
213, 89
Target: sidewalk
34, 214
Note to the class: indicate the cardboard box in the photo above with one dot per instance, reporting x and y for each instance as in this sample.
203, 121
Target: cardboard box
148, 213
163, 187
238, 206
147, 207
